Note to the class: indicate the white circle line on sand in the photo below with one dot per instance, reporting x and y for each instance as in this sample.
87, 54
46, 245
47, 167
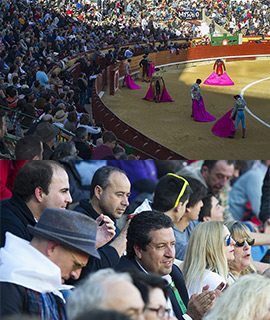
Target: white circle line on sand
242, 95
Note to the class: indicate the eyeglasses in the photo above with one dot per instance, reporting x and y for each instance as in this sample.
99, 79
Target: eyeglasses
182, 190
161, 312
77, 263
228, 240
241, 242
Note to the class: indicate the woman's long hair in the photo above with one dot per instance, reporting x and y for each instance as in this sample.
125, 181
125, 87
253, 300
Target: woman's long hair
205, 250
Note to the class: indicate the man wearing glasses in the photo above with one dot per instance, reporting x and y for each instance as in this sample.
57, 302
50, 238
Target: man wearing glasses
32, 274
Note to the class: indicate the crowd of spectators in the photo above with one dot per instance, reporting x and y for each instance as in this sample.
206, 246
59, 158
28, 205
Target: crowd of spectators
249, 18
135, 265
37, 37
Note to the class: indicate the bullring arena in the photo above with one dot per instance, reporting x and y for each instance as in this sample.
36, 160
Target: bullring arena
170, 123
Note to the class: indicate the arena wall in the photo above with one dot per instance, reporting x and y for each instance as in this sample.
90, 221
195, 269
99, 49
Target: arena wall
142, 145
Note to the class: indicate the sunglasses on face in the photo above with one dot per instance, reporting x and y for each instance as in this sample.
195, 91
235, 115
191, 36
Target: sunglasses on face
241, 242
228, 240
182, 190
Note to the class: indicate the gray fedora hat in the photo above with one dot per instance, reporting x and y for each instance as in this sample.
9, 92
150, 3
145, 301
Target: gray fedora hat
70, 228
46, 131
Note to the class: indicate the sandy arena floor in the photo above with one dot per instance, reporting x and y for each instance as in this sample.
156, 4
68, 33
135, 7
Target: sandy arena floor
170, 123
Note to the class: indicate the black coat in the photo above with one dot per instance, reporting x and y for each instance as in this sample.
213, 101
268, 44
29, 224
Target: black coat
14, 217
86, 208
127, 265
265, 202
85, 151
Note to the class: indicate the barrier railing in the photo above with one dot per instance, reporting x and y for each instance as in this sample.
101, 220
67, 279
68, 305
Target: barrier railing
132, 136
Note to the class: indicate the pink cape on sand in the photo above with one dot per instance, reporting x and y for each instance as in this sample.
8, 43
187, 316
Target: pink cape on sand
224, 127
199, 112
164, 98
130, 83
151, 69
215, 80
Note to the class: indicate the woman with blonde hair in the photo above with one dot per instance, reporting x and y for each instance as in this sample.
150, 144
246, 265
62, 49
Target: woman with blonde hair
209, 249
242, 263
247, 298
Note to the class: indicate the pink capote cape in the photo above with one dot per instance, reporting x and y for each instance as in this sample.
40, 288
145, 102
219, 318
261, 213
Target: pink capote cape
199, 112
215, 80
130, 83
164, 98
224, 127
151, 69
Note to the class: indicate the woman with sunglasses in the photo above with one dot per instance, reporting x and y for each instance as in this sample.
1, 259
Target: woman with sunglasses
242, 263
209, 250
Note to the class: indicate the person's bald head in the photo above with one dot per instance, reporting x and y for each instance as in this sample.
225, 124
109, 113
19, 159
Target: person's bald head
48, 118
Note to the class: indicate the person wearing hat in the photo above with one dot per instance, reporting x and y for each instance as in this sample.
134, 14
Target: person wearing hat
32, 274
47, 132
60, 118
45, 184
28, 94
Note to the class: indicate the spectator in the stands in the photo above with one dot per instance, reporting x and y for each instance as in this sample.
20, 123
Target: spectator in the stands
29, 148
60, 118
48, 133
3, 129
42, 76
109, 142
211, 210
71, 122
65, 149
108, 290
82, 146
248, 189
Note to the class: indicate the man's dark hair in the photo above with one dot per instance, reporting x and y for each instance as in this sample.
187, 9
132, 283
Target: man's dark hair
11, 91
108, 136
206, 208
199, 81
140, 227
81, 132
211, 163
72, 116
101, 178
199, 191
167, 191
33, 174
48, 106
28, 147
146, 281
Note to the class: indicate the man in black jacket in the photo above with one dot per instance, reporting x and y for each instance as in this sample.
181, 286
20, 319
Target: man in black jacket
151, 249
38, 185
44, 184
110, 190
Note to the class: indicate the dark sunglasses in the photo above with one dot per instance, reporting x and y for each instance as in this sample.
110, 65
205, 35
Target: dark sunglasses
228, 240
241, 242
